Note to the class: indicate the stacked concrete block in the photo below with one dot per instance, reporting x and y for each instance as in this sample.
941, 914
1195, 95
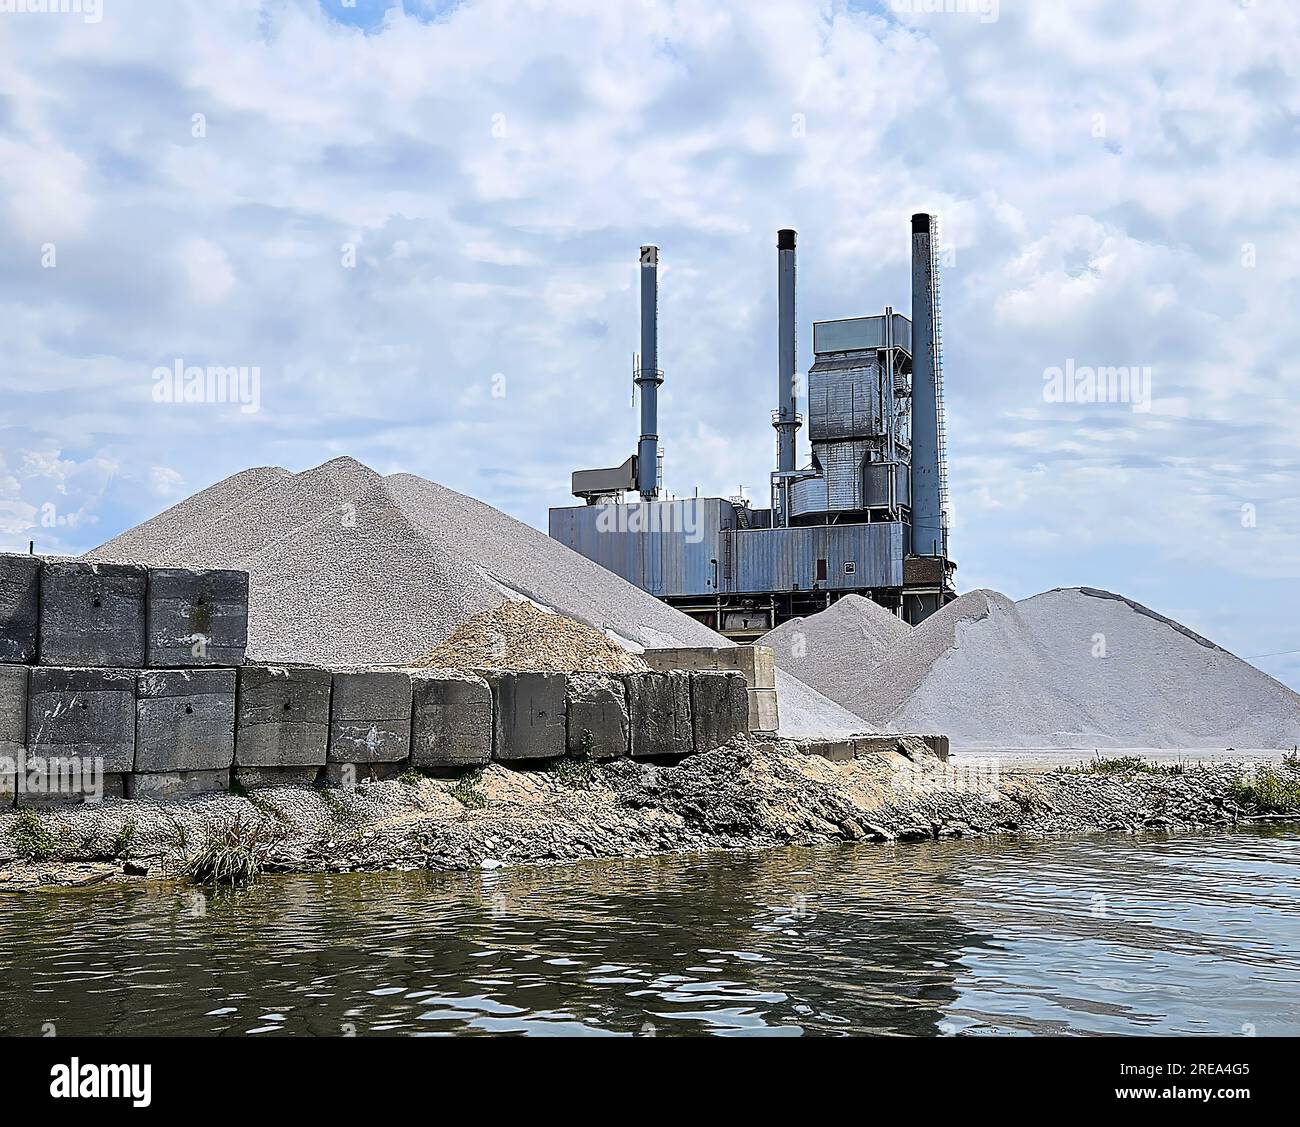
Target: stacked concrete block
756, 663
20, 607
185, 726
719, 708
370, 716
597, 715
160, 785
92, 614
282, 719
196, 618
528, 715
348, 776
451, 719
80, 730
13, 729
659, 709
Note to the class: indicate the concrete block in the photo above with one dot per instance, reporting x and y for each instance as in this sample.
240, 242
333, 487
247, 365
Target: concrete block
92, 614
596, 713
659, 709
82, 714
719, 708
866, 746
55, 787
185, 720
13, 709
370, 716
345, 776
940, 745
837, 751
258, 778
20, 607
763, 714
196, 618
527, 715
161, 785
283, 716
451, 719
757, 663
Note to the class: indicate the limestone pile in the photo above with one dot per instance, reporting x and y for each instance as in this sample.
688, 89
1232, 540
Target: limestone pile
1072, 668
836, 649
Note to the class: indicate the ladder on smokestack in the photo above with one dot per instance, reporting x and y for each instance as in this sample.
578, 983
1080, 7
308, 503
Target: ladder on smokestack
936, 337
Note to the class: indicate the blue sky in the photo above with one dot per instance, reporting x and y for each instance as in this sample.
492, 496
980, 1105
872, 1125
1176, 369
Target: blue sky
1116, 185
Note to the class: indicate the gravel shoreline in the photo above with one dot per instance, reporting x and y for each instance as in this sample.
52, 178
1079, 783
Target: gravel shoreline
743, 796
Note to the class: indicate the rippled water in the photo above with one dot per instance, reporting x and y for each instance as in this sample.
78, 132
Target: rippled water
1188, 934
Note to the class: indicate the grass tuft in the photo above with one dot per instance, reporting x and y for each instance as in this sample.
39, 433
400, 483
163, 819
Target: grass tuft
32, 838
467, 790
234, 852
1268, 790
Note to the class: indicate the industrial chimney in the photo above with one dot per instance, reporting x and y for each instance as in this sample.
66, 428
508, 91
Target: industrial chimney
785, 419
649, 377
927, 489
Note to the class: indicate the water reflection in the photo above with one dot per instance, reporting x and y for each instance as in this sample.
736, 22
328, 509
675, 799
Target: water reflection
1185, 934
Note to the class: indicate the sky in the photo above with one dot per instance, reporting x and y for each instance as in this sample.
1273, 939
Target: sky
415, 226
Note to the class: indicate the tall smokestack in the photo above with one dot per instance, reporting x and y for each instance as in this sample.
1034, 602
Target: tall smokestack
648, 377
927, 509
786, 420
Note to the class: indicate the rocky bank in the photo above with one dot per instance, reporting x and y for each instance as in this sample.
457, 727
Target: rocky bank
748, 794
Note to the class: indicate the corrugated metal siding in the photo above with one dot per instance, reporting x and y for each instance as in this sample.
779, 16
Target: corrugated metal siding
664, 547
782, 559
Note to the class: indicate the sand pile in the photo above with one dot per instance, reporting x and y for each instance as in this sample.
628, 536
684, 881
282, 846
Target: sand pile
518, 635
836, 649
347, 567
1072, 668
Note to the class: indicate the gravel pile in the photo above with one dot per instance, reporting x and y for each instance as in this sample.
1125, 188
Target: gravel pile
520, 636
351, 568
1075, 668
836, 649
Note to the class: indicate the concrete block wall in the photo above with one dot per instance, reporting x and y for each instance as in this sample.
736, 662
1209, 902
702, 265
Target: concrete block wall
756, 663
165, 733
73, 613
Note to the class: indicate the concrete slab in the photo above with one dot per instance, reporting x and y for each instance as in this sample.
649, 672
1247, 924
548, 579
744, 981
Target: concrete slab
527, 715
82, 714
451, 719
719, 708
763, 714
659, 708
185, 720
283, 714
13, 709
162, 785
596, 715
92, 614
259, 778
757, 663
45, 789
370, 716
196, 618
20, 607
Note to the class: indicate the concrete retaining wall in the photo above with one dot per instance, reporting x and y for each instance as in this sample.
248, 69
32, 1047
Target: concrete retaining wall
166, 733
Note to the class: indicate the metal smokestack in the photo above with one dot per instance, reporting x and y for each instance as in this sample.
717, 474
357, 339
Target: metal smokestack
786, 420
649, 377
927, 506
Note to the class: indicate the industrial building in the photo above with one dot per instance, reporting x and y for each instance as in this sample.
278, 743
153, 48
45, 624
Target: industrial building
866, 514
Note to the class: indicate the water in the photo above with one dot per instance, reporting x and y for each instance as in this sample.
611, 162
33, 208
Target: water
1186, 934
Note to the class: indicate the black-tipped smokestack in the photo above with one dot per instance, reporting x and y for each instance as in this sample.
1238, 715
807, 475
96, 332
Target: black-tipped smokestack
648, 377
787, 419
927, 508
